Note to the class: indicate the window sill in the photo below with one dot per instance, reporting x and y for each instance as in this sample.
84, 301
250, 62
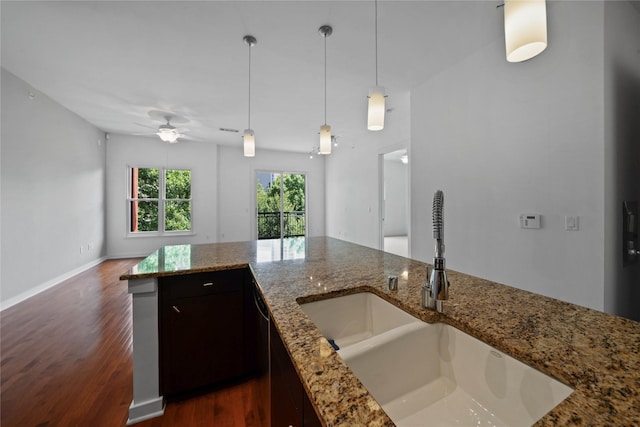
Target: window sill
144, 234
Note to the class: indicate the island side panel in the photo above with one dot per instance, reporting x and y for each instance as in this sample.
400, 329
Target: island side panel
147, 402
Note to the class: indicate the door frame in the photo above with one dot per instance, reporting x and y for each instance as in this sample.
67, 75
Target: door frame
405, 145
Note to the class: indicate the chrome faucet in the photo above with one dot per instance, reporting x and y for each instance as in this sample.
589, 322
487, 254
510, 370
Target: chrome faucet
436, 290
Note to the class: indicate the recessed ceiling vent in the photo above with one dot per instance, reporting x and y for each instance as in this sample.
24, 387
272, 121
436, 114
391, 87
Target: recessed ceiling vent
229, 130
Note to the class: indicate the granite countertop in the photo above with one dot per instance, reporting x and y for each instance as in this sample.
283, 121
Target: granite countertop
596, 354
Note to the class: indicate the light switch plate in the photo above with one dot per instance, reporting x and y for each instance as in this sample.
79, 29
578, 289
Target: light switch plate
571, 223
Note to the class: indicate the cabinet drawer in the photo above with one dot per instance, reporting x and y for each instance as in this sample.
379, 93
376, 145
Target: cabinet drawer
199, 284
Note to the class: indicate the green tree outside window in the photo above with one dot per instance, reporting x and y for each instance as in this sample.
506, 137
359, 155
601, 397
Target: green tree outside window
270, 210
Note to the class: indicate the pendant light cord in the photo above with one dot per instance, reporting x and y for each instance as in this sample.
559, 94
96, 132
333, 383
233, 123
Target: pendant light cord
325, 79
325, 31
249, 86
376, 30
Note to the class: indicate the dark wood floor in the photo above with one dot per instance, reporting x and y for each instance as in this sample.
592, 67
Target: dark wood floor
66, 361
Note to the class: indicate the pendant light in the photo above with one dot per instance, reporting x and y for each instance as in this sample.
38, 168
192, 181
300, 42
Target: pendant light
376, 110
525, 28
249, 137
325, 130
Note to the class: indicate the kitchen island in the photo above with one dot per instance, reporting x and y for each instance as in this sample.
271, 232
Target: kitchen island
596, 354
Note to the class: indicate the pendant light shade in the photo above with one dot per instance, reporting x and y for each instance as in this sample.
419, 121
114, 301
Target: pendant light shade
325, 139
375, 117
249, 137
249, 143
325, 130
525, 28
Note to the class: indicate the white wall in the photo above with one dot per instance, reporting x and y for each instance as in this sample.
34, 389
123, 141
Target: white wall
395, 203
502, 139
237, 186
353, 175
622, 150
136, 151
53, 165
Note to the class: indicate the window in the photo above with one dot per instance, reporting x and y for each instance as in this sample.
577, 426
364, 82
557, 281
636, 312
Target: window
159, 200
280, 205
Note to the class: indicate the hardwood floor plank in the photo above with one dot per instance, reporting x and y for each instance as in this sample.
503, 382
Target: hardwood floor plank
65, 360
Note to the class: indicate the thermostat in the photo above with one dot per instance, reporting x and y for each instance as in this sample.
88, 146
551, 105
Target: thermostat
530, 220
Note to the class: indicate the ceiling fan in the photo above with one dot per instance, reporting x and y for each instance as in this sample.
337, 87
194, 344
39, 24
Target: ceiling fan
167, 132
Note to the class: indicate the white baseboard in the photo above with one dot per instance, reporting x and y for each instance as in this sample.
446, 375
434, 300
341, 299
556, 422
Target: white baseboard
48, 284
145, 410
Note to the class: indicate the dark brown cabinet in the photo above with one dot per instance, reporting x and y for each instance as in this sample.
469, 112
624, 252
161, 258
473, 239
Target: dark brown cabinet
203, 330
290, 405
214, 327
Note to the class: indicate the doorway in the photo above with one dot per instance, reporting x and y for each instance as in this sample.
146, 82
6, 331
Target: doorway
280, 205
395, 202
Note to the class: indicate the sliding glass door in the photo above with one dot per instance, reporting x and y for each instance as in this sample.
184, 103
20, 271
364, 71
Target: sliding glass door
280, 205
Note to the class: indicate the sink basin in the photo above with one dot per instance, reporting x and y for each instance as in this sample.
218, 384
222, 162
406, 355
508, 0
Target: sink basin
432, 373
353, 318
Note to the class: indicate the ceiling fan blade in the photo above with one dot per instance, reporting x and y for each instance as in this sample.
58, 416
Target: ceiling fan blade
188, 138
147, 126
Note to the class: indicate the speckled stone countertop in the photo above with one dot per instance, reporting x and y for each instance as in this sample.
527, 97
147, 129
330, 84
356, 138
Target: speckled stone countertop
596, 354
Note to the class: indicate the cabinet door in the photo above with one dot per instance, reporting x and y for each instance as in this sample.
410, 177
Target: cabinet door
202, 341
290, 405
286, 389
310, 419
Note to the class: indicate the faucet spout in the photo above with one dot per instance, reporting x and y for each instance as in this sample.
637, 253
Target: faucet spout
439, 283
437, 289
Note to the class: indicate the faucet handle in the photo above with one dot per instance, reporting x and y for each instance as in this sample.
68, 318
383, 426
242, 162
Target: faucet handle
392, 283
425, 295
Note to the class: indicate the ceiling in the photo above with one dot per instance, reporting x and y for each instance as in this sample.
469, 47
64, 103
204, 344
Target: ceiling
112, 62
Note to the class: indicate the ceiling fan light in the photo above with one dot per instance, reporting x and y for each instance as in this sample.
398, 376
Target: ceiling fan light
249, 143
325, 139
168, 133
375, 117
525, 29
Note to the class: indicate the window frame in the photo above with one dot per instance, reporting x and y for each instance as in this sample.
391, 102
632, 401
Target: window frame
161, 200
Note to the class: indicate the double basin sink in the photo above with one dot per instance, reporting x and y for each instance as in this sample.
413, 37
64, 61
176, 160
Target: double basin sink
431, 374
